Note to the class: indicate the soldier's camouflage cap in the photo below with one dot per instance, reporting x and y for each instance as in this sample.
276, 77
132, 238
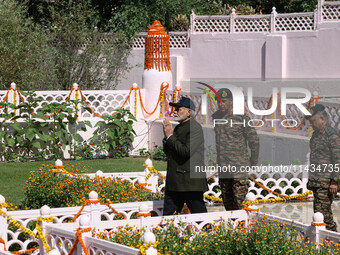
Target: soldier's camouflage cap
315, 109
224, 93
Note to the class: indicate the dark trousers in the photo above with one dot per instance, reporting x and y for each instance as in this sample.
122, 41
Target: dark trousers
323, 203
234, 192
174, 202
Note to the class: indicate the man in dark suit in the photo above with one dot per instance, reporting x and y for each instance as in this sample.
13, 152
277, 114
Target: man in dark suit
184, 147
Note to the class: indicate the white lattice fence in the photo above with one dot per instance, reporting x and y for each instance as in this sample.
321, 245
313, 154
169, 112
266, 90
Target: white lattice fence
211, 24
178, 40
331, 11
252, 23
294, 22
105, 102
259, 23
333, 111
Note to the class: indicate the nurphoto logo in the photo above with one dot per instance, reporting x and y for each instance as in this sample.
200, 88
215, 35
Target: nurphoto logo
239, 105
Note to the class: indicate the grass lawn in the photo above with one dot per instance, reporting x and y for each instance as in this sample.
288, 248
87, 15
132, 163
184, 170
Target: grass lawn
14, 175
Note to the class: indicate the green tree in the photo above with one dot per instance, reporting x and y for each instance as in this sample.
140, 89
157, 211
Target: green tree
134, 16
83, 55
25, 56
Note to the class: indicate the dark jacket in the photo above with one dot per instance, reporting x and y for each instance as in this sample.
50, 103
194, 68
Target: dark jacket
185, 151
324, 158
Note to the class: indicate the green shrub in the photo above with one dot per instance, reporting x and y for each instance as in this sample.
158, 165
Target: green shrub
47, 186
262, 237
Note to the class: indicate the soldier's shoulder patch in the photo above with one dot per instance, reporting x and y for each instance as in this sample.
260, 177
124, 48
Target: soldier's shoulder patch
330, 131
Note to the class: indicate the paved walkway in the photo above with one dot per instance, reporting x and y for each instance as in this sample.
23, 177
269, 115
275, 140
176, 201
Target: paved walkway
297, 211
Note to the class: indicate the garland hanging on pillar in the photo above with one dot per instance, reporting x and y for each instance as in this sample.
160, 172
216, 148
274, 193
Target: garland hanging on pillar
157, 48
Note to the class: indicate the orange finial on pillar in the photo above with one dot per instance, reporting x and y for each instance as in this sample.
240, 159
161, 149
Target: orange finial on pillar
157, 48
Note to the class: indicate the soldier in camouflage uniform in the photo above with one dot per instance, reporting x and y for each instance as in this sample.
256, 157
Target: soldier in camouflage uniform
232, 143
324, 164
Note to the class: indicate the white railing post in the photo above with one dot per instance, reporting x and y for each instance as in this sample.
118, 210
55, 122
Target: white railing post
319, 11
317, 225
84, 222
152, 181
149, 237
94, 208
192, 22
143, 213
10, 98
73, 95
316, 19
3, 224
13, 97
273, 20
45, 212
232, 21
251, 209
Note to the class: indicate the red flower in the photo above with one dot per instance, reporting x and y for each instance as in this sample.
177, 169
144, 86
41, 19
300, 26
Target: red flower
60, 144
117, 147
91, 144
9, 146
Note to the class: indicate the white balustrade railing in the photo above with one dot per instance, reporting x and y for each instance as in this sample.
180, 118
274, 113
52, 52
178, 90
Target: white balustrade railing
292, 180
62, 236
286, 180
102, 102
28, 218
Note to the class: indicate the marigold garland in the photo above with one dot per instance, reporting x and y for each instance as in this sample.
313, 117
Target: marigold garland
97, 114
153, 170
17, 224
4, 205
265, 188
63, 171
113, 209
162, 91
80, 240
315, 224
276, 200
29, 232
218, 199
46, 219
27, 251
58, 167
87, 201
143, 214
42, 238
3, 242
157, 48
145, 247
250, 209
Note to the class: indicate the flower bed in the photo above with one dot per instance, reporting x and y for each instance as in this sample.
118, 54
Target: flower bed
52, 187
260, 237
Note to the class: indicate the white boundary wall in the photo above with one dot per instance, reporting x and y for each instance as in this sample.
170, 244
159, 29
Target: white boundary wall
262, 47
